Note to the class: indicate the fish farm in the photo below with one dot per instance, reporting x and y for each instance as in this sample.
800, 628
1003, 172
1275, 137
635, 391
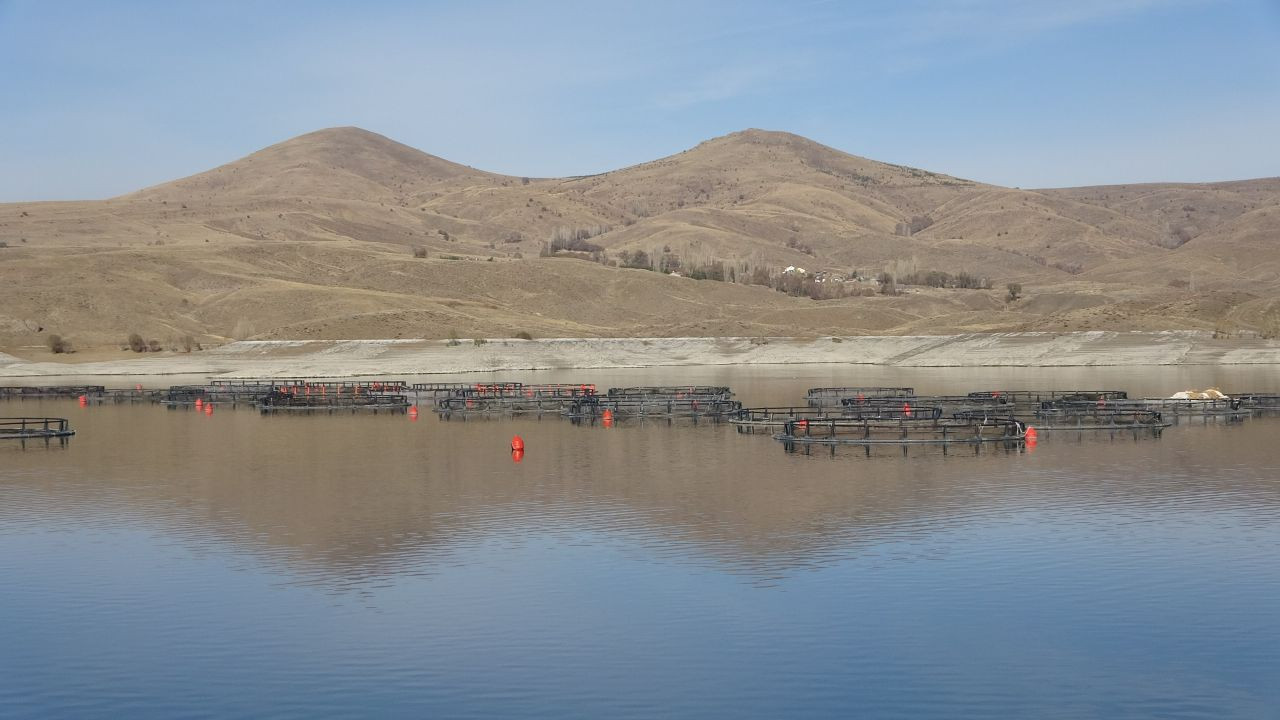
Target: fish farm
826, 415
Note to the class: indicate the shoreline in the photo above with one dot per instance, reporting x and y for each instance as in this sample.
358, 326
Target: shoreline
348, 358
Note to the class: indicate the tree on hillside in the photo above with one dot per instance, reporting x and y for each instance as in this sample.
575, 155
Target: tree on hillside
887, 284
1015, 291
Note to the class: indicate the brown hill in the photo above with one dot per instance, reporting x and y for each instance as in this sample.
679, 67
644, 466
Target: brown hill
315, 237
339, 163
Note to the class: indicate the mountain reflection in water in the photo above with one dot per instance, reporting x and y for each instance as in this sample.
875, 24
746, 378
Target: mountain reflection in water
654, 566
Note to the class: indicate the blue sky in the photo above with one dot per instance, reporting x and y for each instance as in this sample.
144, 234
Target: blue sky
102, 98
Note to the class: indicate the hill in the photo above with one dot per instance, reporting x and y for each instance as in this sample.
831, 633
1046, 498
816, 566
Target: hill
316, 237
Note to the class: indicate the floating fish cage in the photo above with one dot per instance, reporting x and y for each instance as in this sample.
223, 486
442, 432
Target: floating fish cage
180, 395
1021, 402
761, 419
1264, 402
672, 391
461, 389
306, 386
30, 428
558, 390
906, 450
24, 392
753, 420
858, 431
510, 404
317, 394
653, 406
1178, 406
1088, 417
121, 396
834, 396
367, 402
1041, 397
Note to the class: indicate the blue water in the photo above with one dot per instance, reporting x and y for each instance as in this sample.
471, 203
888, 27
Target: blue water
168, 564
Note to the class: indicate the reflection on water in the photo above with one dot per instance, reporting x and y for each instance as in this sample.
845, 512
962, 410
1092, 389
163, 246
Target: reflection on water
171, 563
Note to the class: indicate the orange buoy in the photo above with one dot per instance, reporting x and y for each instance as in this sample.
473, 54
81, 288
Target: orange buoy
608, 422
517, 444
607, 415
208, 408
1032, 435
138, 387
413, 411
517, 456
84, 400
906, 409
199, 402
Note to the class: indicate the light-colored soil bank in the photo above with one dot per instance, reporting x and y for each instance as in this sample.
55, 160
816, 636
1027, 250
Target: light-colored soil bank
321, 358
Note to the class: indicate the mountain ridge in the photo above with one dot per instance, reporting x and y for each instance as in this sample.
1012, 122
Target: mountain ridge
754, 201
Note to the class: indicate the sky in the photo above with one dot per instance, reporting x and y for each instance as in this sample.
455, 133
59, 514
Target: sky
102, 98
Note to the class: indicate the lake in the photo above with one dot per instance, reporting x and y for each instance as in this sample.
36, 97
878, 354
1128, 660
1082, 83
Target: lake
164, 563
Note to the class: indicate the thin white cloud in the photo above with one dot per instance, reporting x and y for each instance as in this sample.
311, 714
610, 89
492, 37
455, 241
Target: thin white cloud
724, 83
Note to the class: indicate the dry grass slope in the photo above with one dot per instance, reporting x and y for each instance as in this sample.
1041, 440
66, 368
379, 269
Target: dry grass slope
316, 237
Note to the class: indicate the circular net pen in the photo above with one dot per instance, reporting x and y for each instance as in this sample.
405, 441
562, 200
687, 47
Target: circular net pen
654, 406
36, 392
123, 396
554, 390
771, 419
502, 404
762, 419
313, 393
1012, 402
437, 390
1186, 407
1259, 402
906, 431
948, 403
906, 450
1086, 416
289, 402
304, 386
835, 396
1039, 397
671, 391
34, 428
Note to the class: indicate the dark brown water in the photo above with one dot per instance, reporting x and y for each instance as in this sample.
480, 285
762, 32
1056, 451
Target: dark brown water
166, 563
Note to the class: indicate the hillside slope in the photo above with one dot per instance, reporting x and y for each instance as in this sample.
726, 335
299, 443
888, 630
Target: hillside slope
316, 237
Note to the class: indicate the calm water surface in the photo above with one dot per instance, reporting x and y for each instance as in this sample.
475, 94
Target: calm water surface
168, 564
